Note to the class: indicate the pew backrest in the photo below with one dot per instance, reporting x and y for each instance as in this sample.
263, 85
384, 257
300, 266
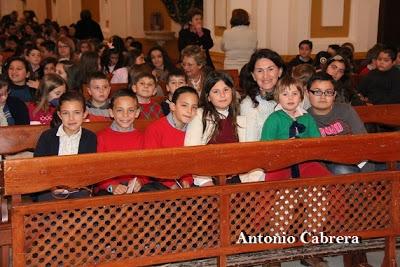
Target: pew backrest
381, 114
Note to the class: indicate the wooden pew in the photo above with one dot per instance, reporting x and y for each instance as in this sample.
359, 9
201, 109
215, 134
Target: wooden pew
167, 226
14, 139
381, 114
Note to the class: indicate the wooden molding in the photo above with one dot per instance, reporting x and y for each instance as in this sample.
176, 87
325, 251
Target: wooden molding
318, 31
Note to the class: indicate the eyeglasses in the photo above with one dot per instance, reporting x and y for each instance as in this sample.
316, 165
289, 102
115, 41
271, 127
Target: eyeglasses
320, 93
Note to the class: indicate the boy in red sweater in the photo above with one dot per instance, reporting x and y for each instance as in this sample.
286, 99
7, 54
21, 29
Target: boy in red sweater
121, 136
144, 86
169, 131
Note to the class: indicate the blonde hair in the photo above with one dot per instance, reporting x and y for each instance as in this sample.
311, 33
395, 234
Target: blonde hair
284, 84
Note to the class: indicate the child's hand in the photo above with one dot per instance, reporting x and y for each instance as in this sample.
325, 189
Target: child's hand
136, 184
185, 184
33, 83
119, 189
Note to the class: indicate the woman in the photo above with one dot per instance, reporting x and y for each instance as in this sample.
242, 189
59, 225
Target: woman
65, 48
238, 53
260, 77
195, 34
194, 65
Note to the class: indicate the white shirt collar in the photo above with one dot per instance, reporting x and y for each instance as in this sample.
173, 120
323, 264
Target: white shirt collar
62, 133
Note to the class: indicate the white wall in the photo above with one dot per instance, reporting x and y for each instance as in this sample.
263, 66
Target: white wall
282, 24
65, 11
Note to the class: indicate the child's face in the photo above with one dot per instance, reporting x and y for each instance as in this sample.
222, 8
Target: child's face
125, 111
322, 104
290, 99
384, 62
114, 59
60, 71
266, 74
305, 51
3, 95
56, 93
72, 115
49, 68
185, 108
145, 87
220, 95
45, 53
17, 72
34, 57
174, 83
99, 90
63, 50
157, 59
84, 47
336, 69
140, 59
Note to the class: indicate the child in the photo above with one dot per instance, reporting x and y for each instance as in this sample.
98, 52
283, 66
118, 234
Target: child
169, 131
18, 71
305, 49
121, 136
291, 121
33, 56
12, 110
48, 65
218, 122
144, 85
99, 90
50, 89
69, 138
176, 78
381, 86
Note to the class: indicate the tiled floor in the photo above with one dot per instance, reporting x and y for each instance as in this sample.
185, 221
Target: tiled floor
374, 259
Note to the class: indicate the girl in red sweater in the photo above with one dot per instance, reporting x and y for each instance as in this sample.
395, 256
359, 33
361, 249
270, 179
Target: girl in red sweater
169, 131
121, 136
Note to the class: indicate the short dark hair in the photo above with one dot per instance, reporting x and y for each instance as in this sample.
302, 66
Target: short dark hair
175, 72
182, 90
390, 51
3, 82
97, 75
144, 74
239, 17
321, 76
307, 42
193, 12
85, 14
49, 45
122, 93
72, 96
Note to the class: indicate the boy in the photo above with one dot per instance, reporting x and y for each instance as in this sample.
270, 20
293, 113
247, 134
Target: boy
334, 119
304, 57
99, 90
121, 136
381, 86
144, 85
48, 49
176, 78
12, 110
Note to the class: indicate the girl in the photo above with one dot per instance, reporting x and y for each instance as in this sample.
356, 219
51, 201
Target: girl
169, 131
113, 62
217, 121
69, 72
160, 63
259, 79
290, 121
51, 88
69, 138
89, 63
19, 71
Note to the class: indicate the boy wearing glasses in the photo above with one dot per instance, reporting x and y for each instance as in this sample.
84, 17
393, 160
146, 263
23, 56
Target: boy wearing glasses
99, 90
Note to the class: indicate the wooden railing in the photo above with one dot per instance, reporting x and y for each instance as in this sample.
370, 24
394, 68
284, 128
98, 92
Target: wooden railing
168, 226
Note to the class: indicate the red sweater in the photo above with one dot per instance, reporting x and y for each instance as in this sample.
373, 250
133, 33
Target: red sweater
150, 111
44, 117
109, 140
161, 134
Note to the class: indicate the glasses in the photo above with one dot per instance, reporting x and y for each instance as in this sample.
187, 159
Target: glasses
320, 93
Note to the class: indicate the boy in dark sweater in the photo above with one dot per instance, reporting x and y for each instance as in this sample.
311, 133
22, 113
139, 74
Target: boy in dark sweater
381, 86
176, 78
304, 57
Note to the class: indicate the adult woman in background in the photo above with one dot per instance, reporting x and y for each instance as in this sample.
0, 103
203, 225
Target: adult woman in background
261, 74
194, 65
238, 53
195, 34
